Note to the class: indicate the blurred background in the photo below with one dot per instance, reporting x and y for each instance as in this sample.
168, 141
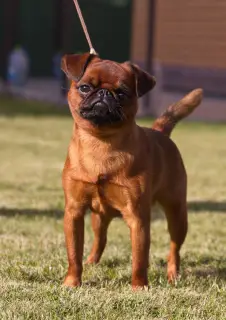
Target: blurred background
181, 42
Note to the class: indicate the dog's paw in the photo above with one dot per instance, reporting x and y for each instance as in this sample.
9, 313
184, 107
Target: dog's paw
139, 283
173, 266
172, 274
140, 288
92, 260
71, 282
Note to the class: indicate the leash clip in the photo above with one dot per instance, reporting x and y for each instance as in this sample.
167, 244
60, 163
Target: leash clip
93, 51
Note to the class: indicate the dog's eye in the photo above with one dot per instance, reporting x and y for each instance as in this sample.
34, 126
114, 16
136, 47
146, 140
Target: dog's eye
84, 88
121, 94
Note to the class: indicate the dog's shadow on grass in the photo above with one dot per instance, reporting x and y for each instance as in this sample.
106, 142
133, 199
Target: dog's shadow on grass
53, 213
211, 272
206, 267
194, 206
212, 206
30, 213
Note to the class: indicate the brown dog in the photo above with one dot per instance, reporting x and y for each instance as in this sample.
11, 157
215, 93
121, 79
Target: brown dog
114, 167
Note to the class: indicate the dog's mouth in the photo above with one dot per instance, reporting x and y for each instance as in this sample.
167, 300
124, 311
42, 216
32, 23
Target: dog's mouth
102, 112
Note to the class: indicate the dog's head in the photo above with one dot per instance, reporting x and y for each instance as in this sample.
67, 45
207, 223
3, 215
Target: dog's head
104, 93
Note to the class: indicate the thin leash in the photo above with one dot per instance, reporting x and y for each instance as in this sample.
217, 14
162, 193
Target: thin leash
92, 50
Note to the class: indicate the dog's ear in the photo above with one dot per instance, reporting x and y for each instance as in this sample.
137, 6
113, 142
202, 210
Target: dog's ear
74, 65
144, 81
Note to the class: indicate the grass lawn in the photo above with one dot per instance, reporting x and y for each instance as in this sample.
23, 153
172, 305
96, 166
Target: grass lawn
33, 145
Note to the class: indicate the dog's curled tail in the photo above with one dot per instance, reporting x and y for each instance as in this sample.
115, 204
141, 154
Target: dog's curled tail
177, 111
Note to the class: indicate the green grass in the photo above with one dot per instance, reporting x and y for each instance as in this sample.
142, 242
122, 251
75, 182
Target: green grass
33, 145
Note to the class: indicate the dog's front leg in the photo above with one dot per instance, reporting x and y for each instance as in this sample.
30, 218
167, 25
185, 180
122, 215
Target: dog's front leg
74, 236
140, 237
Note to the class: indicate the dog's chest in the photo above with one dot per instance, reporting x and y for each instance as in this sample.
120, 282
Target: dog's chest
109, 182
107, 195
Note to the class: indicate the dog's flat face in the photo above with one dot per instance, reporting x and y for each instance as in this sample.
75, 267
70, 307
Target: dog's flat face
104, 92
106, 89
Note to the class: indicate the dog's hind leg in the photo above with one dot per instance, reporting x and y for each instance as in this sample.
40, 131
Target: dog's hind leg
100, 225
176, 215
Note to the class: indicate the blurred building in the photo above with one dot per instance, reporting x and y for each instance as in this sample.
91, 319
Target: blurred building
182, 42
188, 42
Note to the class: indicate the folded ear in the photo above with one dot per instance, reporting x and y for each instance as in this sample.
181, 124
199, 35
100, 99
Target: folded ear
74, 65
144, 81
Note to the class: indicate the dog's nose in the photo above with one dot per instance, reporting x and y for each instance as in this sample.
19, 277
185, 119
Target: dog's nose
104, 93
